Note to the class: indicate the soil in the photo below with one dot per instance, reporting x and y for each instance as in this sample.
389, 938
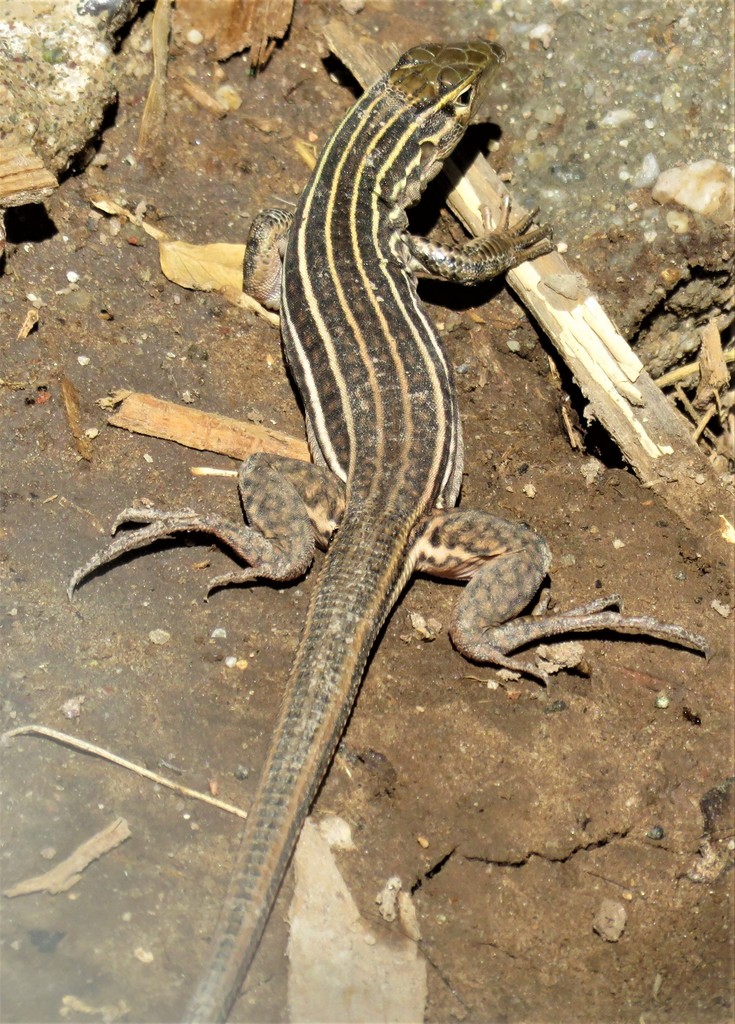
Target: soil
509, 809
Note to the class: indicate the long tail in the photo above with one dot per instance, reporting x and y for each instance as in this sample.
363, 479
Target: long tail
364, 572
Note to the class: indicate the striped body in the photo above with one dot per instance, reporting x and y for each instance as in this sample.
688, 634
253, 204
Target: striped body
368, 361
382, 414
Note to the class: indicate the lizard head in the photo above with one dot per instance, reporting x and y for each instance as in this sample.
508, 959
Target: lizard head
442, 84
447, 77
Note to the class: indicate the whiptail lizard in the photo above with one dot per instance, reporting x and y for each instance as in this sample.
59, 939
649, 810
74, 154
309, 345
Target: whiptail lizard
384, 429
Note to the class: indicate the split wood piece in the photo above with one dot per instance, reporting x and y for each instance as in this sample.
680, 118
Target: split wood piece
205, 431
652, 436
23, 178
150, 133
66, 873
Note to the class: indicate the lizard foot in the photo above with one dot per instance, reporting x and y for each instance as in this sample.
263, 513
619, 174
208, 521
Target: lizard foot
498, 641
248, 544
525, 238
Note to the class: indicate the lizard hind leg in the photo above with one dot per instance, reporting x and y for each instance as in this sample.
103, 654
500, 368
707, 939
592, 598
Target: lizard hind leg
505, 564
290, 506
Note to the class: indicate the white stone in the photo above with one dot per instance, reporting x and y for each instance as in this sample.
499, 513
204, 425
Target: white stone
706, 187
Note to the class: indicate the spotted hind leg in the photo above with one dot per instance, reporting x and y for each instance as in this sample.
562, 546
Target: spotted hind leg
505, 564
290, 506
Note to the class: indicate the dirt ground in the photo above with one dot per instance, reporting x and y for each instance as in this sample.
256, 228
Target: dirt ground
511, 811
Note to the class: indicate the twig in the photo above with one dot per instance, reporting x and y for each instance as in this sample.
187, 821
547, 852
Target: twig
91, 748
690, 370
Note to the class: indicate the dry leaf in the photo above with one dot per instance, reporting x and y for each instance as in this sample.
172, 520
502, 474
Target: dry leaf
252, 305
266, 125
107, 205
208, 268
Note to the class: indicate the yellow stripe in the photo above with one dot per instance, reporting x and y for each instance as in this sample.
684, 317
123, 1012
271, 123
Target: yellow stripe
319, 424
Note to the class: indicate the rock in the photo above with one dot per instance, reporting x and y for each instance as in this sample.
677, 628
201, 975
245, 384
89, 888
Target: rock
610, 920
706, 187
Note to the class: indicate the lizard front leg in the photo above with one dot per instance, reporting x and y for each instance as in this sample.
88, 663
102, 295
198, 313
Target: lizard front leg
290, 505
264, 249
505, 564
501, 248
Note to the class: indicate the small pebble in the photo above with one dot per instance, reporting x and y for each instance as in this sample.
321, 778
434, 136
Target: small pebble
194, 36
619, 116
678, 222
72, 708
671, 99
647, 173
229, 97
387, 899
555, 707
610, 920
84, 360
72, 276
337, 832
662, 701
655, 832
544, 33
159, 637
642, 56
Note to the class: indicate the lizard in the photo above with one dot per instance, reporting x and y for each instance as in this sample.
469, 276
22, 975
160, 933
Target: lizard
383, 425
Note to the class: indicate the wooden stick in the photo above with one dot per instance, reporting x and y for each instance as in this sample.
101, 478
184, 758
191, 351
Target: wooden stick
650, 433
23, 178
205, 431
